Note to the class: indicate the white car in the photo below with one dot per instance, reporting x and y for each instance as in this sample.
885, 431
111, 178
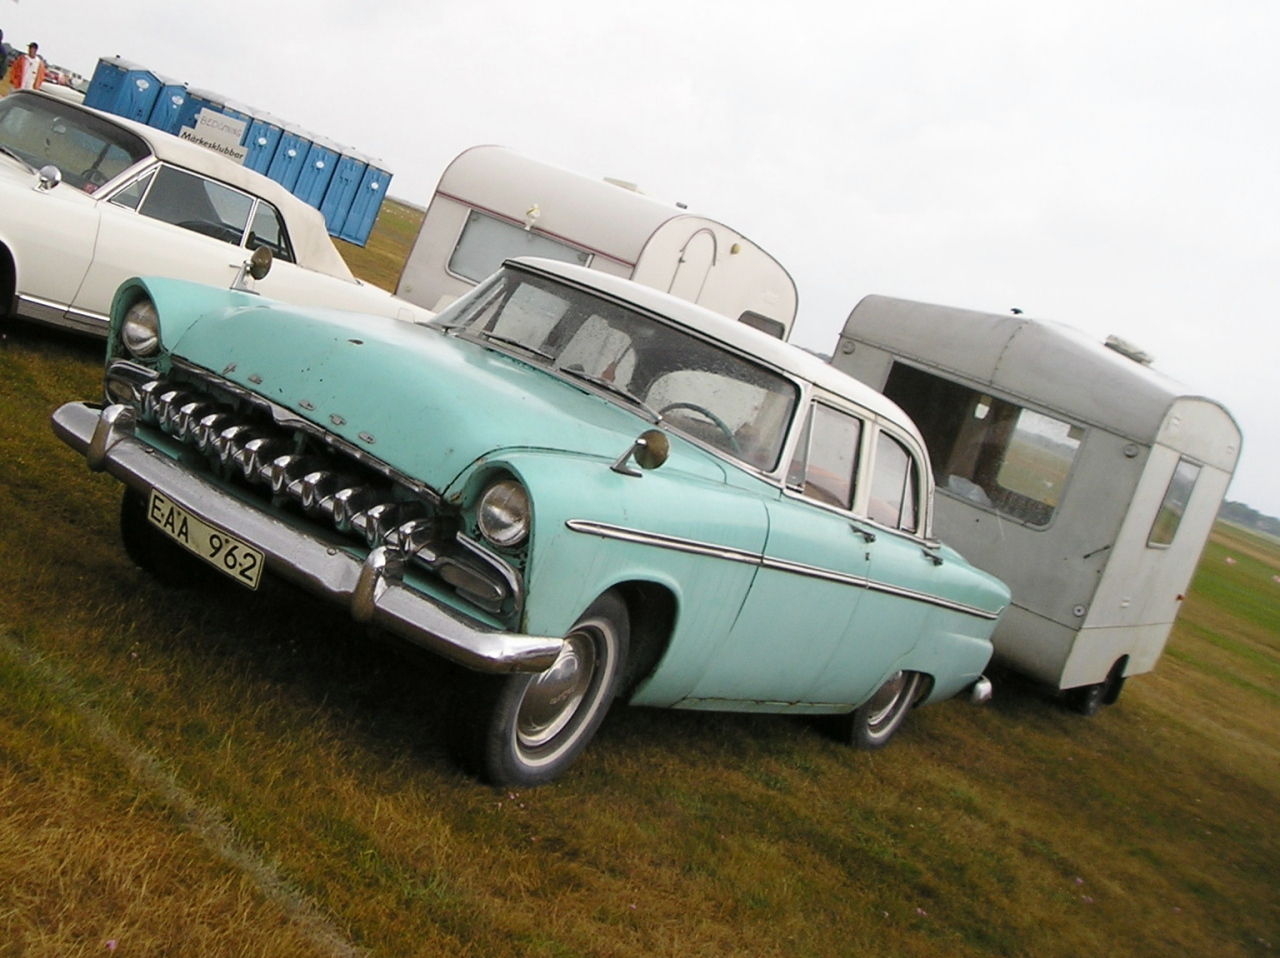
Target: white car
88, 200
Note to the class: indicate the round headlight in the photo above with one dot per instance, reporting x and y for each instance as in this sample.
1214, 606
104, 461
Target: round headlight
503, 513
141, 329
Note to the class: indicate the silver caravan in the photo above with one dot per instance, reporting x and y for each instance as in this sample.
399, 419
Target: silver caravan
1080, 476
493, 203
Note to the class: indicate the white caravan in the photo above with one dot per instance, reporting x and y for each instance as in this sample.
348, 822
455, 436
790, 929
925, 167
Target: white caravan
493, 204
1080, 476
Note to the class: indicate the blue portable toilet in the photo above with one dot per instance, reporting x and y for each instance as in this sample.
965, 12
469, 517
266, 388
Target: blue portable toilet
347, 176
166, 114
122, 88
198, 100
365, 205
261, 141
290, 154
317, 171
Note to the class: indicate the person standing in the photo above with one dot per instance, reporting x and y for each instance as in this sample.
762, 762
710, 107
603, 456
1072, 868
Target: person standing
27, 72
6, 53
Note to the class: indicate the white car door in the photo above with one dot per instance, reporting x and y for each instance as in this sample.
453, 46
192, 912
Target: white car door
182, 238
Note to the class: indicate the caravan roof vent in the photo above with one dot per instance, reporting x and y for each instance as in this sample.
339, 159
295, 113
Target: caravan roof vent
1126, 348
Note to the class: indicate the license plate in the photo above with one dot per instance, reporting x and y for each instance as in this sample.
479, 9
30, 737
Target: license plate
219, 548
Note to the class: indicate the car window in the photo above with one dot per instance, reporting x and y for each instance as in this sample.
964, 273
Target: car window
198, 204
826, 464
698, 387
268, 230
130, 196
89, 150
894, 485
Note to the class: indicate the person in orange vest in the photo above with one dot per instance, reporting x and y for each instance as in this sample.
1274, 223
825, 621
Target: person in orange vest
27, 72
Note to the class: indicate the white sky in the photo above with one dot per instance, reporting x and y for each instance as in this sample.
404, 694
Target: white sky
1112, 164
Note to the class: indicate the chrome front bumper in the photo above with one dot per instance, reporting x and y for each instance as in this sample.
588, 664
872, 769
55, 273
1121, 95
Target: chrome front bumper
371, 589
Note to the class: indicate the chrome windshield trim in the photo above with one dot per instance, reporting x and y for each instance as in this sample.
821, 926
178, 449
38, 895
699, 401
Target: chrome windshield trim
694, 547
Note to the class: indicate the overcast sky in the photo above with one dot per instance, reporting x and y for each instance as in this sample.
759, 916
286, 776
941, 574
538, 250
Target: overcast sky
1111, 164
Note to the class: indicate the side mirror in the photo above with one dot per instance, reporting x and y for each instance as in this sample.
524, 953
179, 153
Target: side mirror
256, 266
260, 262
48, 177
650, 451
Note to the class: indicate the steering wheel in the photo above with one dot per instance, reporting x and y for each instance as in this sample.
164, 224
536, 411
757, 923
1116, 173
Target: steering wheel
94, 177
711, 417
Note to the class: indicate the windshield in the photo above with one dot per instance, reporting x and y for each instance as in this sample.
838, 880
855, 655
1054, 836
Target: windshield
89, 150
695, 386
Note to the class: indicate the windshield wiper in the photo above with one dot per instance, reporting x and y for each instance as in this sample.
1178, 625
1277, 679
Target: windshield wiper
577, 372
501, 340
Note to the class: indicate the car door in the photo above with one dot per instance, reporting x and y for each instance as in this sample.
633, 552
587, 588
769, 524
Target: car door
168, 222
804, 596
51, 233
902, 577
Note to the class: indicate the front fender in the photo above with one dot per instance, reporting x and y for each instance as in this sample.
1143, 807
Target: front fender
678, 526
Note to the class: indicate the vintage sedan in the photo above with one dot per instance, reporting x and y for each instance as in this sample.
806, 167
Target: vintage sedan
577, 487
88, 200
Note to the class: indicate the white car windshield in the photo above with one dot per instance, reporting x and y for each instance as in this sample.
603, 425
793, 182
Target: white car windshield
89, 150
696, 386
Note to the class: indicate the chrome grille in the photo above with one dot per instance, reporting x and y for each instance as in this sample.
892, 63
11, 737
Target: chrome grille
297, 468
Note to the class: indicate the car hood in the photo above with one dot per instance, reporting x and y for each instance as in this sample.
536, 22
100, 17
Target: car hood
425, 403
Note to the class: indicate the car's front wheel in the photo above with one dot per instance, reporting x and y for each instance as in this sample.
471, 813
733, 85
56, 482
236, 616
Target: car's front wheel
527, 729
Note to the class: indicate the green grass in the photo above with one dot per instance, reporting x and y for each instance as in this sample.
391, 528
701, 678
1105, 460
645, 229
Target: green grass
224, 773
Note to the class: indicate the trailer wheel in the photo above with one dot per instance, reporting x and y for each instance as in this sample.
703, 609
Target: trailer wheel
1089, 699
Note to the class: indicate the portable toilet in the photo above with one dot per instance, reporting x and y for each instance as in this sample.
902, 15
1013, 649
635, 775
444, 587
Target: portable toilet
348, 172
290, 155
261, 140
167, 112
123, 88
316, 172
1069, 468
200, 100
493, 203
365, 204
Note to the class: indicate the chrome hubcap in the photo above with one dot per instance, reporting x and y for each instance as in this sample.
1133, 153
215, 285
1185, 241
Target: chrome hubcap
552, 699
885, 701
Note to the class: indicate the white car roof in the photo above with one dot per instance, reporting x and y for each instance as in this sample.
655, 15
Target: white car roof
312, 246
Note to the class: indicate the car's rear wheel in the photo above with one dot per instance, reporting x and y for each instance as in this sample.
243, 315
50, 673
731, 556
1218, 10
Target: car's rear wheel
872, 724
523, 730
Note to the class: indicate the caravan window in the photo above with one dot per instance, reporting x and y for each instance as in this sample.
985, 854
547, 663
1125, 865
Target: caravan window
986, 450
1174, 504
486, 241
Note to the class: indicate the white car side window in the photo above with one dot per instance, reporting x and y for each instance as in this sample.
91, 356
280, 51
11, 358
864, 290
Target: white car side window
198, 204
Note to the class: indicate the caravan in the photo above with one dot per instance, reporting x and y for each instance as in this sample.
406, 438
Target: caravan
494, 204
1071, 469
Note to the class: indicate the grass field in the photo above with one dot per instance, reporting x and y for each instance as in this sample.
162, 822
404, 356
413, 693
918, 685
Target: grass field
225, 773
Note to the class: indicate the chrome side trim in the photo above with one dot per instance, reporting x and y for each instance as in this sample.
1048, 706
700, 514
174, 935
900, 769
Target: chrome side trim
371, 587
694, 547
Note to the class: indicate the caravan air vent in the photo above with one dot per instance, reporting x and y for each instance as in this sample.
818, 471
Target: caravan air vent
1125, 348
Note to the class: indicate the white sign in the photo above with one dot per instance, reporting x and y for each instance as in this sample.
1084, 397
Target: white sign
218, 132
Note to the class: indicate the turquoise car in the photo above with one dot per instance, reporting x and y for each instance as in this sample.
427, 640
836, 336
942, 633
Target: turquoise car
576, 487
